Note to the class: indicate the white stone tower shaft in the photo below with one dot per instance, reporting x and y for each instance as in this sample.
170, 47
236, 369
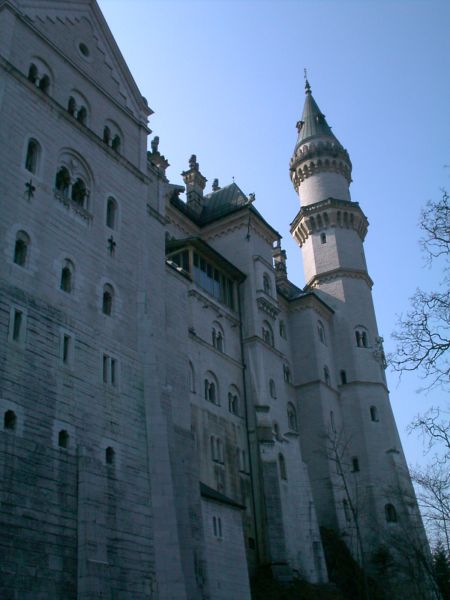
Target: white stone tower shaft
344, 396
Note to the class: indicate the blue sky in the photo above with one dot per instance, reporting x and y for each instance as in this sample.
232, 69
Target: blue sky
225, 79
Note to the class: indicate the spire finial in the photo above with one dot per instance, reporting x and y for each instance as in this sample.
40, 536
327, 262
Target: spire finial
307, 86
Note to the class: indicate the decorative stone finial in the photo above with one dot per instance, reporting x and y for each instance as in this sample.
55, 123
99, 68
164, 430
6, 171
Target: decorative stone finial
215, 185
193, 164
154, 144
279, 261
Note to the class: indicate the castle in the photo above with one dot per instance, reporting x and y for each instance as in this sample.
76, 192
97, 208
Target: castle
174, 411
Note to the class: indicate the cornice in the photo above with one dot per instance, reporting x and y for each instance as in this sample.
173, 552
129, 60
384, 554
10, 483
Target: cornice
267, 307
339, 273
329, 213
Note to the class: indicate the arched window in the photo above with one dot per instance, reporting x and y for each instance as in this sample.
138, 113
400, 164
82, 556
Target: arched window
9, 420
282, 329
44, 84
362, 340
82, 115
210, 389
390, 513
110, 455
374, 414
266, 284
63, 439
116, 143
286, 374
233, 401
66, 283
72, 106
107, 302
292, 417
32, 157
107, 135
217, 337
323, 238
321, 332
32, 73
21, 248
62, 181
332, 423
191, 378
267, 334
282, 467
79, 192
272, 388
111, 213
326, 375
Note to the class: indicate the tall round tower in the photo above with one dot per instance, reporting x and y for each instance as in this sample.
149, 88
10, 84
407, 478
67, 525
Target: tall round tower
343, 393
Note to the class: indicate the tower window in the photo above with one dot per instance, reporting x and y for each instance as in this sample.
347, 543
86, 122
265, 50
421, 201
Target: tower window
72, 106
17, 325
343, 377
21, 248
79, 192
321, 332
374, 414
217, 337
107, 302
107, 135
62, 181
82, 115
211, 390
33, 73
282, 329
44, 84
286, 374
272, 388
292, 417
217, 527
282, 467
355, 464
390, 513
233, 403
116, 143
323, 238
63, 439
111, 213
326, 375
110, 455
10, 420
32, 157
67, 348
66, 283
362, 340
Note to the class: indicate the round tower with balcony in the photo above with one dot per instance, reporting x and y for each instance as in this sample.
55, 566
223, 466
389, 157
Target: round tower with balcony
343, 389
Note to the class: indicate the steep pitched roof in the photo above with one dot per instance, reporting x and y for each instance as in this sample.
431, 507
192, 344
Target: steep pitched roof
224, 201
69, 23
313, 123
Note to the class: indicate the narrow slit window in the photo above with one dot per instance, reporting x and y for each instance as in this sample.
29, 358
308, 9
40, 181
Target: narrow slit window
67, 349
110, 455
21, 249
17, 325
10, 420
32, 157
63, 439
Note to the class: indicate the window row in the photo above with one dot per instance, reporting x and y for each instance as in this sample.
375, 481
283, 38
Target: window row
211, 394
77, 106
373, 412
390, 512
10, 424
72, 181
206, 275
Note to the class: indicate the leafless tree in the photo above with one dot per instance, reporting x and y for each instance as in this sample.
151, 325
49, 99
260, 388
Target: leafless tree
423, 334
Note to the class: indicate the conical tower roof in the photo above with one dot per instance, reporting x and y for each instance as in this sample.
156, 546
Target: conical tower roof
313, 123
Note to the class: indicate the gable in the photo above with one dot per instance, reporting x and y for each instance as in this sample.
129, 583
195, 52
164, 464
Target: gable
79, 31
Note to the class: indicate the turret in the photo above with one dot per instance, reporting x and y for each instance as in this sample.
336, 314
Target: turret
195, 184
320, 166
329, 228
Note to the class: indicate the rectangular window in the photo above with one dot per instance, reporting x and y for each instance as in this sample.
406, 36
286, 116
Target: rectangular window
67, 348
110, 370
17, 325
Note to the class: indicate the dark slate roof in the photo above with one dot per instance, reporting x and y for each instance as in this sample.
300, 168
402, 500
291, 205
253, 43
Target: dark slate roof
313, 122
219, 204
224, 201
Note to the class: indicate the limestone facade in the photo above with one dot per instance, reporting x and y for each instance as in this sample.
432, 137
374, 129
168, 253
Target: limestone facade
174, 411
